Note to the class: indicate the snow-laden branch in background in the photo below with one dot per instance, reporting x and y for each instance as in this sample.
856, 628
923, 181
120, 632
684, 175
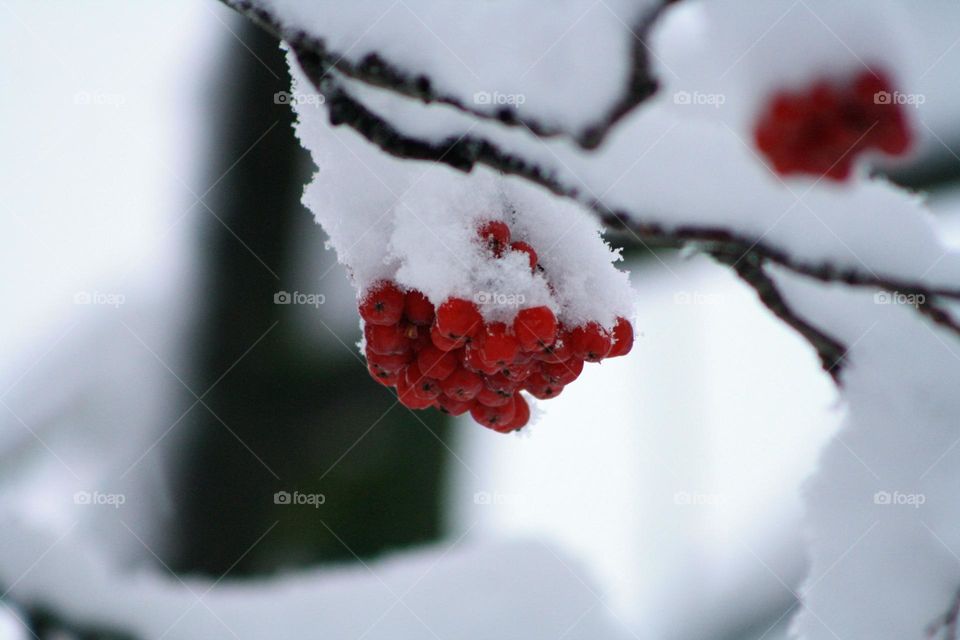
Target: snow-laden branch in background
458, 590
573, 70
882, 510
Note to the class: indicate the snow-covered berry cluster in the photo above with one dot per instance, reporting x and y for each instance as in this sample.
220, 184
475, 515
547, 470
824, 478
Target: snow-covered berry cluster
822, 130
450, 357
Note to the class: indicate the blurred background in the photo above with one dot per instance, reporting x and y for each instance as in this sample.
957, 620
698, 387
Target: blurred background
155, 397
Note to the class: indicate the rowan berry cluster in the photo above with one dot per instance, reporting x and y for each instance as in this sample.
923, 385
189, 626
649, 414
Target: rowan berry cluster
451, 358
821, 131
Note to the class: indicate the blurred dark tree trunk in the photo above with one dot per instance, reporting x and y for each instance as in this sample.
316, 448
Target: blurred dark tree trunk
307, 411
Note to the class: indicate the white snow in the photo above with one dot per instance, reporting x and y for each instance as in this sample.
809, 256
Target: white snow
882, 510
462, 589
565, 67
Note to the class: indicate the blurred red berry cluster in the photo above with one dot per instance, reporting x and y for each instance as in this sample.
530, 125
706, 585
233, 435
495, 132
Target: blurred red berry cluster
822, 130
450, 358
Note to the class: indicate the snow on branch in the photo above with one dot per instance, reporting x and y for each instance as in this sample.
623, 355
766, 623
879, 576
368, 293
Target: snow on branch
66, 581
440, 53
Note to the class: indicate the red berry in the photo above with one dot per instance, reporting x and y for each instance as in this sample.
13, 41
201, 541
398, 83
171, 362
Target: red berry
386, 339
823, 130
436, 363
495, 235
458, 318
500, 382
523, 357
497, 346
521, 415
590, 342
419, 337
493, 417
527, 249
493, 398
451, 406
535, 328
383, 304
473, 360
461, 385
518, 372
381, 375
541, 388
562, 373
389, 363
420, 384
409, 397
417, 308
442, 343
622, 338
559, 351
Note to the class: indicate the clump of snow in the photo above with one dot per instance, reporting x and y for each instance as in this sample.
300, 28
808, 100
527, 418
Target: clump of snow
452, 590
881, 512
416, 223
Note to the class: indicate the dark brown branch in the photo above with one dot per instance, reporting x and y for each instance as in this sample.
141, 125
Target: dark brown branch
750, 269
946, 625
